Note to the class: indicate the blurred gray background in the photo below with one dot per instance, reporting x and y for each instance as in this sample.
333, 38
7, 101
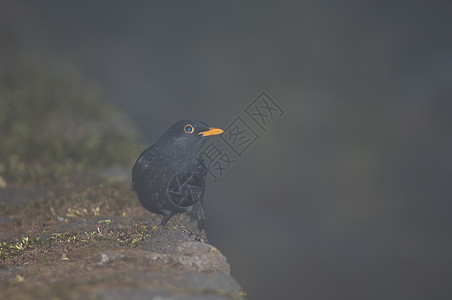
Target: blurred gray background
348, 195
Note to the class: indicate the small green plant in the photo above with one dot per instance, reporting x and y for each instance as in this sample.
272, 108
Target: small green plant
10, 249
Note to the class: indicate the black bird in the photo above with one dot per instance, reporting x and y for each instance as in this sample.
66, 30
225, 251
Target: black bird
169, 175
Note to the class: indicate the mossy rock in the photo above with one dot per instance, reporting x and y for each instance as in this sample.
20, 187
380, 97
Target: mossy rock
53, 125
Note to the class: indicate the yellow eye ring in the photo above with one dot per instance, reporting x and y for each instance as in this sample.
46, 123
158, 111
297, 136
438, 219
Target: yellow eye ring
189, 129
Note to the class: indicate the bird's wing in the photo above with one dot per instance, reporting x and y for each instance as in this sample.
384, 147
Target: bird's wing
145, 161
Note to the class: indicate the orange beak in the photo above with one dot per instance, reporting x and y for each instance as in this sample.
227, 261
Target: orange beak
211, 131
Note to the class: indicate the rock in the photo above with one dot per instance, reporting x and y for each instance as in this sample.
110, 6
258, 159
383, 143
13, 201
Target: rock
96, 241
184, 286
196, 256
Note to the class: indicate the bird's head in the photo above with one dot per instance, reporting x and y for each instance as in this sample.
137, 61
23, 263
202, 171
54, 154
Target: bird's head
188, 134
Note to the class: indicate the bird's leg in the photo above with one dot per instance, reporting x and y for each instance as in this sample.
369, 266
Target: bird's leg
166, 216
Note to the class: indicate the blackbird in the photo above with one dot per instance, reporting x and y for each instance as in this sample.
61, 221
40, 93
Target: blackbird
169, 175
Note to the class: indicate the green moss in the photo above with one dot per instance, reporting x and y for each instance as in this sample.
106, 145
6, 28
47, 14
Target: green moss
17, 247
53, 125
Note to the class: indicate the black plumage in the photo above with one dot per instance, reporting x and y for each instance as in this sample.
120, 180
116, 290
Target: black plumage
169, 175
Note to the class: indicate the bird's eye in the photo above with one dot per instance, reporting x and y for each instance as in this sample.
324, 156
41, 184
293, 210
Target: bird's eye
188, 128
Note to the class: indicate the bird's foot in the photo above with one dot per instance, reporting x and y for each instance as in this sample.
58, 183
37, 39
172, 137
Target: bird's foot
202, 237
